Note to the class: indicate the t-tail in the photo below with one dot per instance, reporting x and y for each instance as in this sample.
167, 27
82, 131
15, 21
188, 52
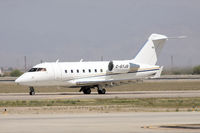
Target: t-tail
151, 50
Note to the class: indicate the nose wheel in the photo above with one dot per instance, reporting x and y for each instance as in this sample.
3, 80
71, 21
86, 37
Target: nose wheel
32, 91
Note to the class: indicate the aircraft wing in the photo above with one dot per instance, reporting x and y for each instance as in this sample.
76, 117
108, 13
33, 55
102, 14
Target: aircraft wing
109, 82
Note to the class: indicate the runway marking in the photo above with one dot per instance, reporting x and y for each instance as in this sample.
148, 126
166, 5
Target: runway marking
126, 94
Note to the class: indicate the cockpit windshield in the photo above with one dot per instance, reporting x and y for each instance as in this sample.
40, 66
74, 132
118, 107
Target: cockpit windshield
37, 70
33, 70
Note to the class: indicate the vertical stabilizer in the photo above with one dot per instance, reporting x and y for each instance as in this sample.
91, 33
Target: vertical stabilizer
151, 50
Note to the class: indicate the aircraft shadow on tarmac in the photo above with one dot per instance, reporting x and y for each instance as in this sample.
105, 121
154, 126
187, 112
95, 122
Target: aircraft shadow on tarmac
94, 93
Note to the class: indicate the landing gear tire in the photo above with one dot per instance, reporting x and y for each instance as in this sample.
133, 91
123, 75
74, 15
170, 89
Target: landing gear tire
86, 90
32, 91
102, 91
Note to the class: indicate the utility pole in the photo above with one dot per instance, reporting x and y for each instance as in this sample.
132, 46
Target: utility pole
172, 63
25, 63
101, 58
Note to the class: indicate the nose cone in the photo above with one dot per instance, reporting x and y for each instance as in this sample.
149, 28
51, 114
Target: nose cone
25, 79
17, 80
20, 80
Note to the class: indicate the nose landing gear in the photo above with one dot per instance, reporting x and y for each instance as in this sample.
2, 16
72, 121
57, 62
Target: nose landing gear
32, 91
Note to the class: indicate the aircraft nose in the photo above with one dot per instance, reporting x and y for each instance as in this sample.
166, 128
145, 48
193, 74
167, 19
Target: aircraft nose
19, 80
24, 79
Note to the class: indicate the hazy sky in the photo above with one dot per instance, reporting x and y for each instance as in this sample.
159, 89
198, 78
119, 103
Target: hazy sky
115, 29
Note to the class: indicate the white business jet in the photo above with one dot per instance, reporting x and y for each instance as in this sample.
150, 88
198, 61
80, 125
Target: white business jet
98, 74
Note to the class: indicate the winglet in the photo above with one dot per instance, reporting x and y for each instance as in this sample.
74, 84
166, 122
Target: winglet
158, 73
57, 60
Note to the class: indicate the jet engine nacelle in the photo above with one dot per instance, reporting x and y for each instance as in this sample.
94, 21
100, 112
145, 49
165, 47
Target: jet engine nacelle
122, 67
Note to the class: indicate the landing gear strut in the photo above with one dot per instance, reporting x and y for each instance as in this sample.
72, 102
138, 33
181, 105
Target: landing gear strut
101, 90
86, 90
32, 91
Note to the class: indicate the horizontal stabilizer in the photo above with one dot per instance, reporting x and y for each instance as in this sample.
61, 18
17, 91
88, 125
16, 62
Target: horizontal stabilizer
178, 37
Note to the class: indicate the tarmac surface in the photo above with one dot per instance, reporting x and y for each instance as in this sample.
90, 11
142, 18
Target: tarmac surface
146, 122
79, 95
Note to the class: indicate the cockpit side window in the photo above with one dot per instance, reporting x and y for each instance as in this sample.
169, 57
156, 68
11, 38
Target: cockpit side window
37, 69
42, 69
33, 70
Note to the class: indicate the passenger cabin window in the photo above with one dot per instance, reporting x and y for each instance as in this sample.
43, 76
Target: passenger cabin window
65, 71
77, 71
101, 70
95, 70
89, 71
71, 71
83, 70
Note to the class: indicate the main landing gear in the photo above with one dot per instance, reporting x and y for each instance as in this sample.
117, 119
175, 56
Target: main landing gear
101, 90
87, 89
32, 91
